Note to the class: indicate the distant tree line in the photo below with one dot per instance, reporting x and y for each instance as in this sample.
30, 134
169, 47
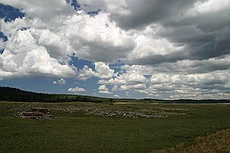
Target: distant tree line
14, 94
202, 101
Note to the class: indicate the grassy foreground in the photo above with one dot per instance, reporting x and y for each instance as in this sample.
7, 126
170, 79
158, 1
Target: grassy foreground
103, 128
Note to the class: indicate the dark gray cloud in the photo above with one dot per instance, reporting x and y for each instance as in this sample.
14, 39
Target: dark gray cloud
146, 12
158, 59
195, 66
204, 34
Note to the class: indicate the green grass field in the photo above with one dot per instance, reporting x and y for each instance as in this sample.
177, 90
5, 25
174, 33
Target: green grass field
104, 128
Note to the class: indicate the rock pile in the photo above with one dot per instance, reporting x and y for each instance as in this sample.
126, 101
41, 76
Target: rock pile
36, 113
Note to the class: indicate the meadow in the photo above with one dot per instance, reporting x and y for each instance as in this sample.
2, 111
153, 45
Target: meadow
121, 127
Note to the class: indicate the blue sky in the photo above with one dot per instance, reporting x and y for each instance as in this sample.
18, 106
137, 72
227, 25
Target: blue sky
117, 48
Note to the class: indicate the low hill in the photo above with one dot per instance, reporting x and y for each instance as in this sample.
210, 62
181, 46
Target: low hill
14, 94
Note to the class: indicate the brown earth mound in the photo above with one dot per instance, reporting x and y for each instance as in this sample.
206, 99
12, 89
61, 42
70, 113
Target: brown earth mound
215, 143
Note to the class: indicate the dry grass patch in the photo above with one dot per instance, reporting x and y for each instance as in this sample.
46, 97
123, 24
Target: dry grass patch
215, 143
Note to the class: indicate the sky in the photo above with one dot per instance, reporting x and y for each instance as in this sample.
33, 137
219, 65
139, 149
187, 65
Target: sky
160, 49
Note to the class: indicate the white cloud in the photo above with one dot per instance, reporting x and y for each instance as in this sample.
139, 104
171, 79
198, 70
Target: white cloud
2, 44
97, 38
94, 38
76, 90
112, 6
149, 43
39, 61
208, 6
55, 44
173, 85
196, 86
60, 82
32, 63
85, 73
25, 55
132, 79
131, 75
103, 89
43, 9
116, 95
104, 92
131, 87
103, 71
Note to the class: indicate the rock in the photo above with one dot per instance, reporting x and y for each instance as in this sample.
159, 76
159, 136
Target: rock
36, 113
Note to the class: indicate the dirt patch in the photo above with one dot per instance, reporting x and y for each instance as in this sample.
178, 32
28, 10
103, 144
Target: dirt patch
215, 143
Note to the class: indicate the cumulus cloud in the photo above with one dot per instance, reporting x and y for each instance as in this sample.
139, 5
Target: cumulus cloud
103, 71
85, 73
132, 79
142, 13
97, 38
76, 90
195, 29
2, 44
63, 35
201, 86
45, 9
168, 47
60, 82
33, 51
103, 89
23, 57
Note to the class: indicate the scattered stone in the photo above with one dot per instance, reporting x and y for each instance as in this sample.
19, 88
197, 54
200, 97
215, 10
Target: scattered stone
36, 113
104, 110
39, 109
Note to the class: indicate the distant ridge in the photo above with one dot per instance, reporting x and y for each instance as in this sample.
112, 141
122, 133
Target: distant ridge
15, 94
